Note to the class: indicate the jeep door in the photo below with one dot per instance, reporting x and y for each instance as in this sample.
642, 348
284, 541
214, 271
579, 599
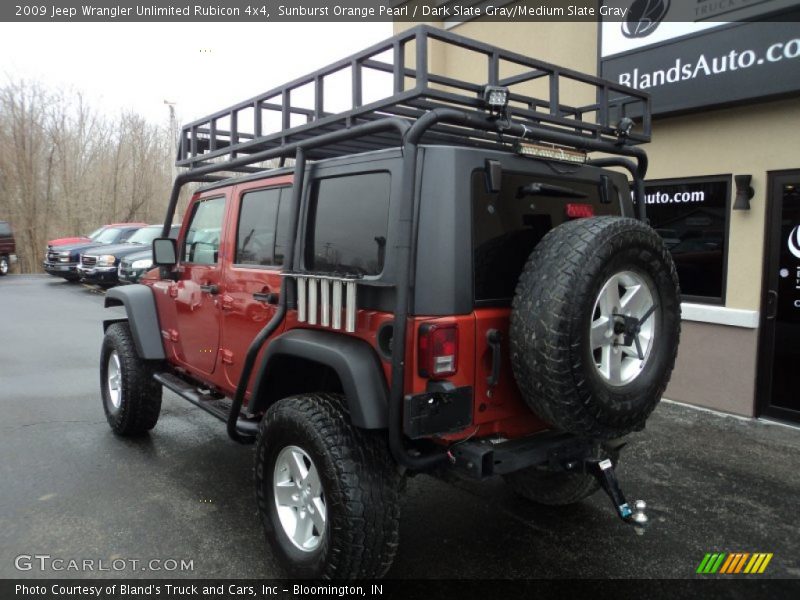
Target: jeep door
196, 293
252, 282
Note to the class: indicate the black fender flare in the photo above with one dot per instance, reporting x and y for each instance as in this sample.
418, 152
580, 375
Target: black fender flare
140, 306
354, 361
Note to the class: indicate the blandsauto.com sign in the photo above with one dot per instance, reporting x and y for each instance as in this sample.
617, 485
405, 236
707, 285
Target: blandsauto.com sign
696, 59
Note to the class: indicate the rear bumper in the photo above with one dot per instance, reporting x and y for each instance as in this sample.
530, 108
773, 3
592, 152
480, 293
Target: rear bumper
550, 449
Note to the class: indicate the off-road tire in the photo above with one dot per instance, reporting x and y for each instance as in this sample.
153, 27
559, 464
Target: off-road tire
553, 488
360, 481
140, 395
551, 317
5, 266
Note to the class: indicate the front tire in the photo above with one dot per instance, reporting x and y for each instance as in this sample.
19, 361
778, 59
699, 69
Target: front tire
327, 492
131, 397
4, 266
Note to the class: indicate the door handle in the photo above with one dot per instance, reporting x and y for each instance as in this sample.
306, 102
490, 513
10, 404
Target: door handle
772, 304
209, 288
268, 297
494, 338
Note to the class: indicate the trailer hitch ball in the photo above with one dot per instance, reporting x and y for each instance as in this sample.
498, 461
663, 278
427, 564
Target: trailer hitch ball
639, 517
603, 471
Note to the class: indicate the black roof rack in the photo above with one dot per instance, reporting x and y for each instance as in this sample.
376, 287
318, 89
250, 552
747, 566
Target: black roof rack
299, 110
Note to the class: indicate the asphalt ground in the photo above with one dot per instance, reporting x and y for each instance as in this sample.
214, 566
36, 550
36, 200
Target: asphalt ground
71, 489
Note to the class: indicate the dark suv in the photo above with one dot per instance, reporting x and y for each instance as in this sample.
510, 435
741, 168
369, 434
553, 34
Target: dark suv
8, 248
443, 282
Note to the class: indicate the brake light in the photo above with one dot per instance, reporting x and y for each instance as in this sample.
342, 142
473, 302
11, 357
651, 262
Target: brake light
576, 210
438, 350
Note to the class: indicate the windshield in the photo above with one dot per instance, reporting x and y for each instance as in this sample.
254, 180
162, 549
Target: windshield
145, 235
93, 236
108, 236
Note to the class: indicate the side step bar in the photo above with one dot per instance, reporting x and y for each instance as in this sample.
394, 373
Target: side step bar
211, 405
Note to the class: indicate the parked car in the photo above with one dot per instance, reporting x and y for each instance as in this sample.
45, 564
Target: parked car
62, 261
65, 241
100, 265
132, 267
8, 248
451, 286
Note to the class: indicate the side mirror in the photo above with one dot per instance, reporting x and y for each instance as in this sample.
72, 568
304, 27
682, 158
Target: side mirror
165, 253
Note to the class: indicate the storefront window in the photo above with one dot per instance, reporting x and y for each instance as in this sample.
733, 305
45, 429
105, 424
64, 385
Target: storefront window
692, 217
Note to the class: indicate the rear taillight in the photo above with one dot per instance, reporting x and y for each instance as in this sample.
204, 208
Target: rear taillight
438, 350
577, 210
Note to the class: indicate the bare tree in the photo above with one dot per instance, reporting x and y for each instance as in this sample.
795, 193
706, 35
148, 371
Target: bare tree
65, 169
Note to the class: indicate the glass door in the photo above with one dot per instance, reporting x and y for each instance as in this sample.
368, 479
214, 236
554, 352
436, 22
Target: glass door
779, 386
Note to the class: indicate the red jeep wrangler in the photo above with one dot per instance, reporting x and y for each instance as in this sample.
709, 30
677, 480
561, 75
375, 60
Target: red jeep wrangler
441, 282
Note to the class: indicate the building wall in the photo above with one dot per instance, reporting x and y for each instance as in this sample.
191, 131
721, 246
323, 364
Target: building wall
717, 360
753, 140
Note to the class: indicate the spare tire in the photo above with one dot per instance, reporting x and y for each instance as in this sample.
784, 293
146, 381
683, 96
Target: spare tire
595, 325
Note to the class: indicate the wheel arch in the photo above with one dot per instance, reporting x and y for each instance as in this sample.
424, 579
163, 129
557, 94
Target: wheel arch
142, 317
318, 354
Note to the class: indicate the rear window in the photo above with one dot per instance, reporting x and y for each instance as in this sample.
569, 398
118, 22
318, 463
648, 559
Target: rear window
348, 223
507, 225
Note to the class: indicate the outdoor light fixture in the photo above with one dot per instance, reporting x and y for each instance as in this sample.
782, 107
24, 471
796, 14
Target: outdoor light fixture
495, 97
624, 127
744, 192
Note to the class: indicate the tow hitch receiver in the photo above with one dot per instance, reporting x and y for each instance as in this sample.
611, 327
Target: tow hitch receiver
603, 471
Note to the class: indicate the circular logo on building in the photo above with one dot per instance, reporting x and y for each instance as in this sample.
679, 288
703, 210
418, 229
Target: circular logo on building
794, 242
643, 17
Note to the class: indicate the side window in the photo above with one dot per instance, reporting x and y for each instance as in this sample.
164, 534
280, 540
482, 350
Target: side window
201, 245
5, 229
348, 223
257, 238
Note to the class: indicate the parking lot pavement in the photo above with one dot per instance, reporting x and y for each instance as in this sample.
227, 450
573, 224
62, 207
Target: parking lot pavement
70, 489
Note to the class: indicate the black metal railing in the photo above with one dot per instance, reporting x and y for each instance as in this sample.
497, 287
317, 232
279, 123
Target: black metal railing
295, 111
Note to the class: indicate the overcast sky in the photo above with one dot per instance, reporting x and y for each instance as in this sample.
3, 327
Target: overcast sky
202, 67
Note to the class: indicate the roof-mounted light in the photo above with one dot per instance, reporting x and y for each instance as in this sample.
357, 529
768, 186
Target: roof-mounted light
495, 97
551, 152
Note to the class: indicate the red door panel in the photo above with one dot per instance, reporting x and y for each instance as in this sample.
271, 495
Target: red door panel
246, 310
252, 283
196, 332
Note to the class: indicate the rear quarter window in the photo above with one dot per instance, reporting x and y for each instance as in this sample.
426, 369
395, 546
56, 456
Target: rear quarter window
348, 223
